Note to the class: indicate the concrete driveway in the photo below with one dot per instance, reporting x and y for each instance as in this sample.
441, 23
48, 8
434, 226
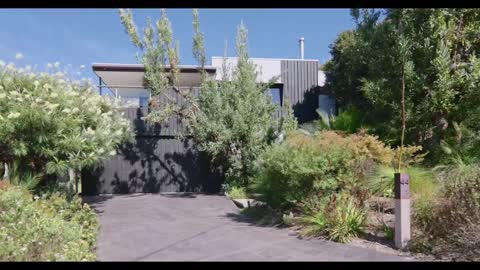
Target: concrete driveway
149, 227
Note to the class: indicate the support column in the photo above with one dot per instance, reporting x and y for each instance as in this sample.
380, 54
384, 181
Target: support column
402, 210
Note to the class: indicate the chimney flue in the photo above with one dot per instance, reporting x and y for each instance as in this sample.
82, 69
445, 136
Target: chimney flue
301, 47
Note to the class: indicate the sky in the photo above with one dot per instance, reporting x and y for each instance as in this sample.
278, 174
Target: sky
80, 37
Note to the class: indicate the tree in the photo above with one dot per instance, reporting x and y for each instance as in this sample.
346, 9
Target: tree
159, 54
49, 124
440, 70
236, 120
231, 120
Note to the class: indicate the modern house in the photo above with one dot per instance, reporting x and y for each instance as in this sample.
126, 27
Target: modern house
158, 161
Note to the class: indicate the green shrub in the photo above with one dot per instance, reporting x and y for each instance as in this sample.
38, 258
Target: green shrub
342, 219
237, 193
306, 174
235, 121
348, 120
289, 174
306, 168
45, 229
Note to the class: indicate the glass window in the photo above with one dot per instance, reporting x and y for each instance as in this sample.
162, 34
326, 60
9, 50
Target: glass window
143, 102
276, 93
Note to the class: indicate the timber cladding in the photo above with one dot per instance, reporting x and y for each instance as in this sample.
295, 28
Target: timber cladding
300, 87
156, 161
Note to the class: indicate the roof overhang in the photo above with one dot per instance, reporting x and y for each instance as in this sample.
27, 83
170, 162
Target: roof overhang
127, 77
141, 68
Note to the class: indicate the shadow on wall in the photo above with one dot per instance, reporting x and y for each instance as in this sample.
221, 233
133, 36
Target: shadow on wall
153, 164
306, 110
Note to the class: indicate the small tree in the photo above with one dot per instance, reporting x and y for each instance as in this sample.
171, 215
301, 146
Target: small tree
160, 57
236, 121
232, 119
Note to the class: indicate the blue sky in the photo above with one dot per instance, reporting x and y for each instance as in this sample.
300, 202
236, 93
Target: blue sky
85, 36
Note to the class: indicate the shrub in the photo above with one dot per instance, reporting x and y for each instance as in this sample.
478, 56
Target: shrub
50, 123
341, 219
236, 122
237, 193
307, 174
45, 229
289, 174
348, 120
306, 168
450, 223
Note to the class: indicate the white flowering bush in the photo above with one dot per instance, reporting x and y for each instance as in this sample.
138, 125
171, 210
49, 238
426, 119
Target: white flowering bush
49, 123
52, 228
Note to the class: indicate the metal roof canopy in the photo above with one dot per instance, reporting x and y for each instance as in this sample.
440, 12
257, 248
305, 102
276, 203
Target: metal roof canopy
127, 79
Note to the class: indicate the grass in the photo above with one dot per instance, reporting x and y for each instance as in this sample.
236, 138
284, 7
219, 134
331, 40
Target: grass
339, 222
422, 182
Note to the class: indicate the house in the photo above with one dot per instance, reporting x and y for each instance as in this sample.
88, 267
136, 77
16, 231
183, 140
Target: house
158, 161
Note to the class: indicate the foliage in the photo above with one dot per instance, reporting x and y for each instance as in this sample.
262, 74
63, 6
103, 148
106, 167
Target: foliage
325, 178
231, 120
50, 123
22, 177
290, 173
235, 122
438, 51
422, 181
342, 219
450, 223
461, 147
348, 120
45, 229
307, 167
389, 232
237, 193
159, 54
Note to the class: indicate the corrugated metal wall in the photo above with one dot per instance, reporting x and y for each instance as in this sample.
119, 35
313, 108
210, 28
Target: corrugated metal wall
300, 87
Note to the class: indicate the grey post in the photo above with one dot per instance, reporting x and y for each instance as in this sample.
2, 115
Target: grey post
402, 210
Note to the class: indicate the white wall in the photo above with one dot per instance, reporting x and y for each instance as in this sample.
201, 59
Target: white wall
267, 68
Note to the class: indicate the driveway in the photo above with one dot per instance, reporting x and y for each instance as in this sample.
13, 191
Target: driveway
150, 227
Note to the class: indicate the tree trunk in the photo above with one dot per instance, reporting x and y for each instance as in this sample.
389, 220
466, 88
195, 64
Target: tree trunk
403, 118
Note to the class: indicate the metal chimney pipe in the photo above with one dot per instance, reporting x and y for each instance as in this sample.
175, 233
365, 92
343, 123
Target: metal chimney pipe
301, 47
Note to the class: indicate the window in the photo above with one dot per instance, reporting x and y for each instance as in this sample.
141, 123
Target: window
276, 93
143, 102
